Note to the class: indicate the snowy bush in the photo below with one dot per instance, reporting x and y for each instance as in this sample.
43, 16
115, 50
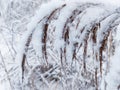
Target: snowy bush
63, 45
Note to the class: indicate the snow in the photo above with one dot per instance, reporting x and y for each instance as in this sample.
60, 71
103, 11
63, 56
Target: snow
112, 77
59, 49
